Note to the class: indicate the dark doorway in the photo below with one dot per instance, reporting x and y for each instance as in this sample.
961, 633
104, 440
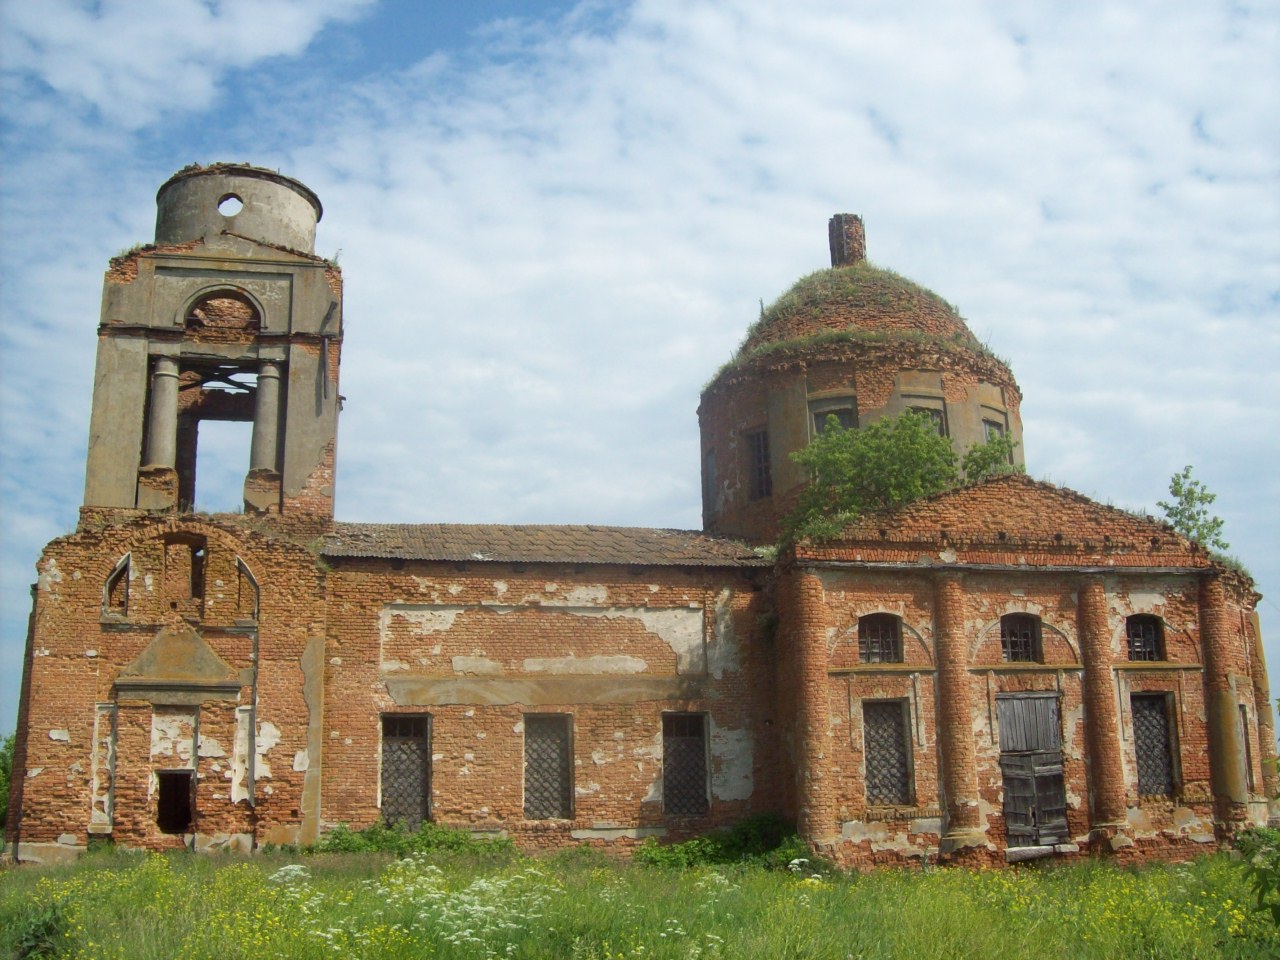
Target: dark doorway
175, 806
1035, 797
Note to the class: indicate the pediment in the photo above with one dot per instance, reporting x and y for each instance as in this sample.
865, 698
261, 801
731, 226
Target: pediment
179, 658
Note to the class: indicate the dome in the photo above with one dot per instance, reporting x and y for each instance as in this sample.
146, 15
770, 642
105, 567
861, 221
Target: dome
855, 300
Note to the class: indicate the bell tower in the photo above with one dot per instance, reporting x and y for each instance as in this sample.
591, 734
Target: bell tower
228, 315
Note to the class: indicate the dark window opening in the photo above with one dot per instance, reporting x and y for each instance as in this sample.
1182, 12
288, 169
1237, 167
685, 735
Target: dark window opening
406, 769
843, 412
1153, 744
759, 472
880, 638
886, 739
175, 803
1020, 638
1146, 637
992, 430
684, 764
116, 593
936, 417
548, 767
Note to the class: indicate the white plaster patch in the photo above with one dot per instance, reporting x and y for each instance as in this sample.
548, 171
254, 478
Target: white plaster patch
209, 747
722, 656
586, 789
519, 727
49, 575
654, 588
91, 653
599, 664
455, 589
336, 661
268, 736
587, 596
420, 620
149, 582
41, 652
476, 666
1144, 601
947, 555
391, 666
551, 587
67, 839
733, 760
301, 760
424, 584
34, 772
499, 587
172, 733
63, 735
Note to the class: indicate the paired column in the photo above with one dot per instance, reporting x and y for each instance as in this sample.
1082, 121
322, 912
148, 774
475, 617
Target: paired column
1101, 715
1226, 751
964, 826
266, 418
162, 428
1266, 719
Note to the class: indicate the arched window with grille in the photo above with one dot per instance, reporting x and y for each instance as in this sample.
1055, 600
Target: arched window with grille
880, 638
1146, 637
1020, 638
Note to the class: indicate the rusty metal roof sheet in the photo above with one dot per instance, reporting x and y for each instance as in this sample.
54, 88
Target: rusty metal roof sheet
538, 543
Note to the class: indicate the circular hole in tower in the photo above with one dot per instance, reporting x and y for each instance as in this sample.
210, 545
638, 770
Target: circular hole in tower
230, 205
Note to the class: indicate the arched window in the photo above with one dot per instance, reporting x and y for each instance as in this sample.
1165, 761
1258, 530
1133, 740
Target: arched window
880, 638
1020, 638
1146, 637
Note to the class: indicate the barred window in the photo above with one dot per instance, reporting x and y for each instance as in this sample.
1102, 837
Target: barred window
406, 769
1146, 637
1153, 744
548, 766
887, 743
759, 472
1020, 638
880, 638
684, 763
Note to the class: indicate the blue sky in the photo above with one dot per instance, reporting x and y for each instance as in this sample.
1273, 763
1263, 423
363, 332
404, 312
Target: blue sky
557, 220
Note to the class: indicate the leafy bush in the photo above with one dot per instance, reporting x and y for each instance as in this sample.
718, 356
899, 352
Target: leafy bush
395, 839
1261, 850
6, 771
766, 840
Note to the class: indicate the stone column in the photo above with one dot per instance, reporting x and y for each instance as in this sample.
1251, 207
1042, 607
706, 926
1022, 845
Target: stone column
964, 826
1101, 717
162, 429
1266, 720
1226, 751
816, 820
266, 418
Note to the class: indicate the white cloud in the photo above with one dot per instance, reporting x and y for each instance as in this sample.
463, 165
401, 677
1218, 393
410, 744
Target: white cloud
551, 242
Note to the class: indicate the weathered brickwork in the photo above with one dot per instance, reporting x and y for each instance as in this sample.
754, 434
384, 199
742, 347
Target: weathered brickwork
1002, 672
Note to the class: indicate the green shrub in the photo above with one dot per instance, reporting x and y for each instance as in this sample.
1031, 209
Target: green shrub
765, 840
395, 839
1260, 848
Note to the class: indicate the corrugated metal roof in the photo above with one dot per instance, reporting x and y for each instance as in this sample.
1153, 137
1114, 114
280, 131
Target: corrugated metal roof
538, 543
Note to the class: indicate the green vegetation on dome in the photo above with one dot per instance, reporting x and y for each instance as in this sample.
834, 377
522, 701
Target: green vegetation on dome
858, 286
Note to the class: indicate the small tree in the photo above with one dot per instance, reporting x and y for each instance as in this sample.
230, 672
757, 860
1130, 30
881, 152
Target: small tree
989, 459
1189, 511
883, 465
6, 771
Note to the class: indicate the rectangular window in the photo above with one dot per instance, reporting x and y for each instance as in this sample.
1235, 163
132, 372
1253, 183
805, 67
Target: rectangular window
937, 416
879, 639
1153, 744
548, 766
886, 739
992, 430
1020, 638
684, 763
844, 409
406, 769
759, 472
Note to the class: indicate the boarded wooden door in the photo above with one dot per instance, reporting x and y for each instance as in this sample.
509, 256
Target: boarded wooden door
1035, 798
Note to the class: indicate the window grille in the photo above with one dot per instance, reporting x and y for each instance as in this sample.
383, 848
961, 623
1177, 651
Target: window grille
1146, 637
844, 409
886, 741
548, 767
1153, 744
1019, 638
880, 638
760, 475
406, 769
684, 763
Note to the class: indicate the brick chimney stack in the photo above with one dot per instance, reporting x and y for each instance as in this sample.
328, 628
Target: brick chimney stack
848, 240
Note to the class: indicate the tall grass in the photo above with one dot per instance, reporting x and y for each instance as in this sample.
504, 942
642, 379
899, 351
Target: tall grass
455, 904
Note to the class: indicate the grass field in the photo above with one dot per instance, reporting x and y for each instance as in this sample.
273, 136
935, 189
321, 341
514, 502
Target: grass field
498, 904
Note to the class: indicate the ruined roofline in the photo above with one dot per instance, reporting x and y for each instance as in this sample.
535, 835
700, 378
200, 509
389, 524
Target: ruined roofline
244, 170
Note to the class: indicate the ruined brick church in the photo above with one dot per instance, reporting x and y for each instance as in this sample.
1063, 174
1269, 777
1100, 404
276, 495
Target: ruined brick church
1004, 671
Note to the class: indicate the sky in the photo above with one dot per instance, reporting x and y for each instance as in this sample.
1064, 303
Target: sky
556, 220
